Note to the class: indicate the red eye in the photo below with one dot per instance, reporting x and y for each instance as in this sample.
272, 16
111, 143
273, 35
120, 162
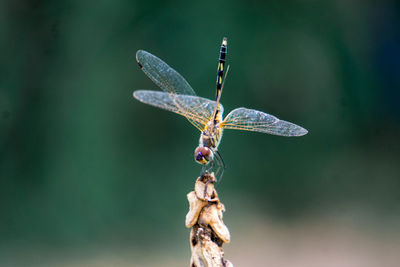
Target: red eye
197, 151
205, 151
203, 155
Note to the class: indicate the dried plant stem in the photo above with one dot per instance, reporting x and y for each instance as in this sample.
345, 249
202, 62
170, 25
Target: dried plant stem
208, 232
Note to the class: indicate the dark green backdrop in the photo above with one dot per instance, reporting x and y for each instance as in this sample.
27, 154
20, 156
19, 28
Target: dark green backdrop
82, 161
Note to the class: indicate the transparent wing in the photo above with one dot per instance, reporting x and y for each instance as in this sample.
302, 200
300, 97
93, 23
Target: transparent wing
257, 121
196, 109
163, 75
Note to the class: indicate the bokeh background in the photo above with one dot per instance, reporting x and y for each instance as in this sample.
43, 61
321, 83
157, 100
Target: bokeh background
91, 177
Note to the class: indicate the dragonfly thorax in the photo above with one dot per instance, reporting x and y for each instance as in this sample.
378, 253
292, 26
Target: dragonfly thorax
211, 136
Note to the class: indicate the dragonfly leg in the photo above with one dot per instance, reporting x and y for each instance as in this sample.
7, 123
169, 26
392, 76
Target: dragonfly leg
221, 166
219, 163
207, 170
203, 170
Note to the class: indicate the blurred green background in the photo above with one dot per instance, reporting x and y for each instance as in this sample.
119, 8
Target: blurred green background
91, 177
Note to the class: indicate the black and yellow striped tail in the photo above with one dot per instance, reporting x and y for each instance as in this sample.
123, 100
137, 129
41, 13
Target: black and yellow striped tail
221, 63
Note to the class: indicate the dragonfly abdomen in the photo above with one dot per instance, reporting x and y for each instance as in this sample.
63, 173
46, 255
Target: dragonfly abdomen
221, 63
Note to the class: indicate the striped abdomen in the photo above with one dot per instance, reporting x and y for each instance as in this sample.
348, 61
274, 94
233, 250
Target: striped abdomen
221, 64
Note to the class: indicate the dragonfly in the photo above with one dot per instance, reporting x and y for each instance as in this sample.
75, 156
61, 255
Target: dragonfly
205, 114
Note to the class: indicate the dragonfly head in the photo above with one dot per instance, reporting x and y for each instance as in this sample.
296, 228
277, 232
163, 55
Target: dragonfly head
203, 155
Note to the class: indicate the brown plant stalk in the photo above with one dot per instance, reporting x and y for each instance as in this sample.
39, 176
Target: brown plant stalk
208, 232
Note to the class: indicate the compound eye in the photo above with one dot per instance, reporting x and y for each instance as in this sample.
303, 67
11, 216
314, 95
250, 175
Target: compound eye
203, 155
205, 151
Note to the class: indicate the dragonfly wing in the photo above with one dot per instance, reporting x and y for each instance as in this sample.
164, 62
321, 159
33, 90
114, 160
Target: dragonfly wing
197, 110
257, 121
163, 75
